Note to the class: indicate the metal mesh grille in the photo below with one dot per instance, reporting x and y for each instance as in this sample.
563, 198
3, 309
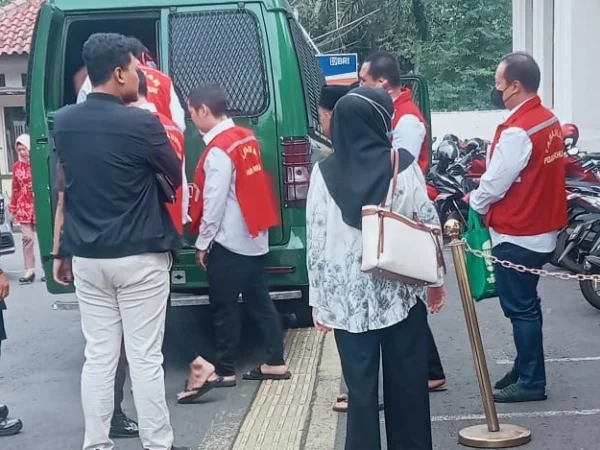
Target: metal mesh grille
312, 76
222, 47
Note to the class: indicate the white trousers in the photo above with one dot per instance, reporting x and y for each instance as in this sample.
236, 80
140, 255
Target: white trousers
124, 297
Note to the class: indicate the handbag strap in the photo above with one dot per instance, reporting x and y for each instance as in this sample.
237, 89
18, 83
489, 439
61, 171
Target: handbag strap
395, 159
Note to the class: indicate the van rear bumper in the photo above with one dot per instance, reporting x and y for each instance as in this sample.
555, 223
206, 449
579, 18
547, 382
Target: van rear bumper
184, 300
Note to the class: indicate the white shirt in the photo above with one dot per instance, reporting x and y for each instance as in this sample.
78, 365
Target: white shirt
511, 155
185, 198
222, 218
177, 113
409, 134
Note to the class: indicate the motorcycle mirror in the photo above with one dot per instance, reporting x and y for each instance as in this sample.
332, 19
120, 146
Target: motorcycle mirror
573, 151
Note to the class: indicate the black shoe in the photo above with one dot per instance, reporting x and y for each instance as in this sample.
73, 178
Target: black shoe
515, 393
508, 379
8, 427
181, 448
123, 427
27, 280
3, 412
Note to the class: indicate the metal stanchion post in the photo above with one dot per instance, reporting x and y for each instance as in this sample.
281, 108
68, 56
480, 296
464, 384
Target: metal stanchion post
492, 434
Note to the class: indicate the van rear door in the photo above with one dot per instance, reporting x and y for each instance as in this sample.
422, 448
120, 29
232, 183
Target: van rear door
44, 92
225, 44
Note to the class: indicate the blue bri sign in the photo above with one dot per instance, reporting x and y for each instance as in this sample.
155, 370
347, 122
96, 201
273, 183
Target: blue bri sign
340, 68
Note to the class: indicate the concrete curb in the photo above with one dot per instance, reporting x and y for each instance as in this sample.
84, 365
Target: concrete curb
321, 429
278, 417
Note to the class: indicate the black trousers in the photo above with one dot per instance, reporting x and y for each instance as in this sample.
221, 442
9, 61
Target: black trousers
230, 275
403, 349
435, 368
521, 304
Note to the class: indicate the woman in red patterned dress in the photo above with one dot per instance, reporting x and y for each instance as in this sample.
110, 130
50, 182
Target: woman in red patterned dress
21, 205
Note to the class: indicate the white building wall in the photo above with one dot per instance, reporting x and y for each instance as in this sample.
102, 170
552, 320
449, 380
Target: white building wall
564, 38
13, 67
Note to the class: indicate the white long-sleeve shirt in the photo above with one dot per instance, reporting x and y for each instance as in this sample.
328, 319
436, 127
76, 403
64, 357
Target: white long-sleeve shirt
222, 218
511, 155
409, 134
177, 112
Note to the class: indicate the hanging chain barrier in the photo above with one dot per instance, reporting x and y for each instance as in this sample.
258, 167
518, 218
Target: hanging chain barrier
523, 269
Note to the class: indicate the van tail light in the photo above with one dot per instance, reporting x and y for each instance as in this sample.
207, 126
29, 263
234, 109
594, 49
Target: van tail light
296, 165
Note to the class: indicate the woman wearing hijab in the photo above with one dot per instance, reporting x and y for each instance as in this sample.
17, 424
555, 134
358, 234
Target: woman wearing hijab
372, 317
21, 205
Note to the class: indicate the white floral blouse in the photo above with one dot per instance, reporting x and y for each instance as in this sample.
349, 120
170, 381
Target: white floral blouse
345, 297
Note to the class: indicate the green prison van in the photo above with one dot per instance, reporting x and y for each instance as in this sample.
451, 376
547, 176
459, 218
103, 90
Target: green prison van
262, 57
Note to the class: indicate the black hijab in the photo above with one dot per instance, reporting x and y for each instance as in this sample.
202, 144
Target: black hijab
359, 171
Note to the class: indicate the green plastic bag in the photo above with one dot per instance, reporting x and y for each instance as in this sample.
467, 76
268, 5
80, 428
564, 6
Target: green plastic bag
480, 270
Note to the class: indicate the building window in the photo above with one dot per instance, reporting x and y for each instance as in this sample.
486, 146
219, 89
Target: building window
2, 80
24, 79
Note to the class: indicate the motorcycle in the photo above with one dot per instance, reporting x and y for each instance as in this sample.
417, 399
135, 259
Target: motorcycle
575, 241
449, 188
591, 266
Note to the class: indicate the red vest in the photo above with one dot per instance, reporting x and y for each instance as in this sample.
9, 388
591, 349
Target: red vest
178, 143
159, 90
536, 202
253, 188
405, 105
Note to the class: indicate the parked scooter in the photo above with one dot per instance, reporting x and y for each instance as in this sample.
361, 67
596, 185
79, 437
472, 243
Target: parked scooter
446, 184
590, 289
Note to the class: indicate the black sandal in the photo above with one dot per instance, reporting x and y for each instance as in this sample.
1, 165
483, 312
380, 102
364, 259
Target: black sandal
198, 392
257, 375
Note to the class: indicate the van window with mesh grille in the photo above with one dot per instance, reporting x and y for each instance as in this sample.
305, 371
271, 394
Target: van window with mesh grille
223, 47
312, 76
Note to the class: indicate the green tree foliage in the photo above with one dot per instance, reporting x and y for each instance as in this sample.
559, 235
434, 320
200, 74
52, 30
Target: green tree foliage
468, 38
455, 44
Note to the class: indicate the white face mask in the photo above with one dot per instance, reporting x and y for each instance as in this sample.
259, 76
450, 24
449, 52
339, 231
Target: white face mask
379, 108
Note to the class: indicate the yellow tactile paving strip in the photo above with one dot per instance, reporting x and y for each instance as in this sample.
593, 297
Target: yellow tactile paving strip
280, 411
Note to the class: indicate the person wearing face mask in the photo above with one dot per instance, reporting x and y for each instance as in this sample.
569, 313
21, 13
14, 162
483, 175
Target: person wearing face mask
522, 194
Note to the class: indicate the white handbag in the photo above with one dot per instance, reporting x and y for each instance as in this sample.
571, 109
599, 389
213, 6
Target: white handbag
397, 247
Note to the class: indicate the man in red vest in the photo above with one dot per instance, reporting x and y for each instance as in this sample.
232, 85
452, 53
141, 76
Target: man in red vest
161, 91
232, 209
522, 194
381, 69
177, 141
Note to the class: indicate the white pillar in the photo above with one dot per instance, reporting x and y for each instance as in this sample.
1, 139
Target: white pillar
543, 47
563, 59
576, 68
522, 15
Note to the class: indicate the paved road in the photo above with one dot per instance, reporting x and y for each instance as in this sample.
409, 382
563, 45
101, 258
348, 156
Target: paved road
568, 419
43, 357
41, 365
